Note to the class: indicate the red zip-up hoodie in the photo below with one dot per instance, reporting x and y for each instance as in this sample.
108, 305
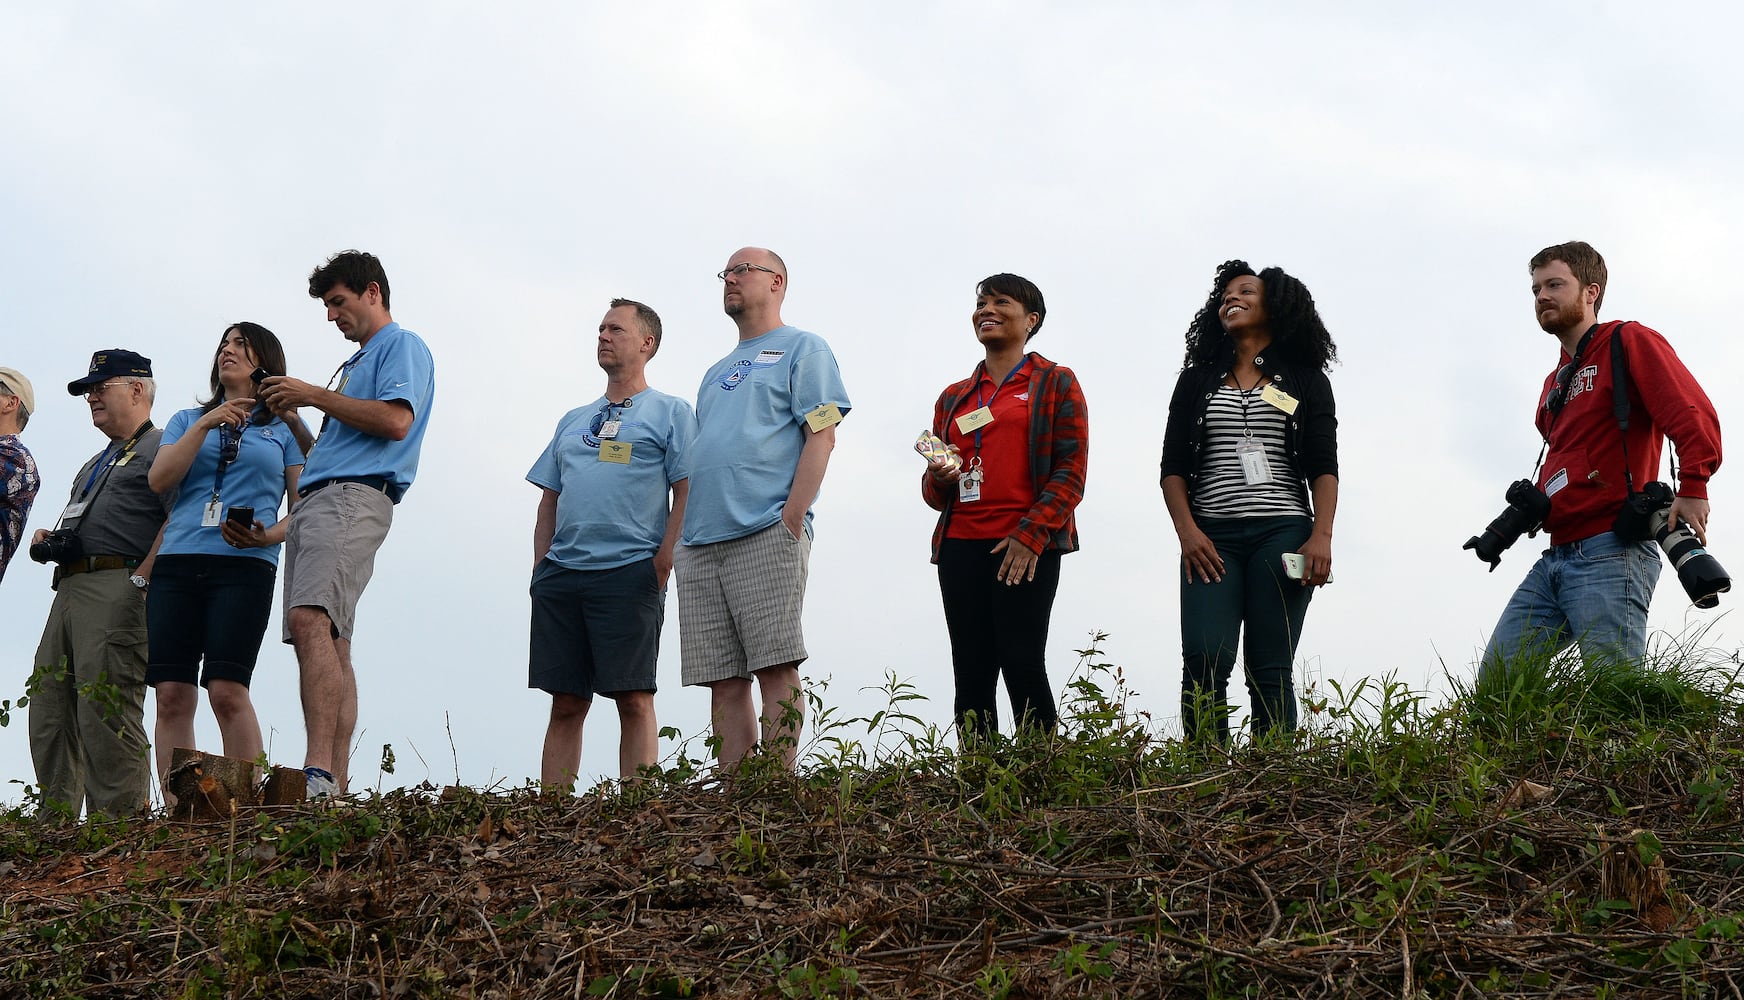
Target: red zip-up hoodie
1583, 470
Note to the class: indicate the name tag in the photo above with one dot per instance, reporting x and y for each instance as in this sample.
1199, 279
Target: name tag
766, 358
609, 429
968, 423
210, 515
616, 452
73, 510
1279, 398
825, 416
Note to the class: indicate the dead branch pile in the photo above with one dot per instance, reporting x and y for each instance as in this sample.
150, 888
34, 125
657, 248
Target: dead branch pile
1317, 874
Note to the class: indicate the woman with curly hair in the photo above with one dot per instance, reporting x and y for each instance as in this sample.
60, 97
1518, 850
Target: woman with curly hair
1020, 427
1250, 477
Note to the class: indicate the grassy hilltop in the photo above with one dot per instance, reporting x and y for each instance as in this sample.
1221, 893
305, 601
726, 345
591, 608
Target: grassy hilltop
1581, 835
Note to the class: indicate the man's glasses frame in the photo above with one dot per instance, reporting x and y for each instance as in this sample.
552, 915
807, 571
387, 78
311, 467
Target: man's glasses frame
740, 270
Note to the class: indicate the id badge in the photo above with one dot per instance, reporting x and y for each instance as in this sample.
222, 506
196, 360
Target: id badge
827, 415
210, 516
609, 429
1256, 468
970, 422
616, 452
969, 487
1279, 398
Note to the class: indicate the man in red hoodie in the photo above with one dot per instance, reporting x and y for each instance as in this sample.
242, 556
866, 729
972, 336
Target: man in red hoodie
1592, 586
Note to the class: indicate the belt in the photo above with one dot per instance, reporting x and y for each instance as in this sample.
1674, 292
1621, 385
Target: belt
92, 564
376, 483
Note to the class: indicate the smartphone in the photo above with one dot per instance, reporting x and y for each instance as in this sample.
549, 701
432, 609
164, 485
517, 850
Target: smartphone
930, 447
259, 375
242, 517
1296, 566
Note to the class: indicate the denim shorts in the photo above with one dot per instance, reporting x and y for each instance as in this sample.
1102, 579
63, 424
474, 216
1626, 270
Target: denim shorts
207, 607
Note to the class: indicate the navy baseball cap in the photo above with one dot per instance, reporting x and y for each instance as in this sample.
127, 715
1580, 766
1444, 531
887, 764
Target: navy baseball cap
106, 365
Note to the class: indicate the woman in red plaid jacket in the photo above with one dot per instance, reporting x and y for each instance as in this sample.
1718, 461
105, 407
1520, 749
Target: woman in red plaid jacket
1019, 433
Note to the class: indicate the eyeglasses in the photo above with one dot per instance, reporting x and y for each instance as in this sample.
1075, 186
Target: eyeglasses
740, 270
97, 390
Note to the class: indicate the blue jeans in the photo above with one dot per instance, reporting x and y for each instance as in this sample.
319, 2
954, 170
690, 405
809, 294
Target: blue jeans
1594, 592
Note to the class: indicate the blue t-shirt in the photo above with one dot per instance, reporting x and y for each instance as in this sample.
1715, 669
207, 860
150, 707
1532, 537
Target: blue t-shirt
256, 479
611, 514
394, 364
751, 428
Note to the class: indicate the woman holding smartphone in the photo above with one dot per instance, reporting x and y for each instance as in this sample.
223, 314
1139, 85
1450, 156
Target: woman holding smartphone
1250, 477
211, 592
1019, 430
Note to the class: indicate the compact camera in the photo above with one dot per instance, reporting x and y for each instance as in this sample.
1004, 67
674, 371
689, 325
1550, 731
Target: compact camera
61, 547
1527, 507
1647, 514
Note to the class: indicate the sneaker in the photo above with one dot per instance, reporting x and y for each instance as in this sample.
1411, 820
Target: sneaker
320, 784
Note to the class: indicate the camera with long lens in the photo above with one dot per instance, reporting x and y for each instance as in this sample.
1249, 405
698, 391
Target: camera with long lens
1527, 507
1647, 514
61, 547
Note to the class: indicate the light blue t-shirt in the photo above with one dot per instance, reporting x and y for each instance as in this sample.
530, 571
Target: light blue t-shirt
610, 514
394, 364
256, 479
751, 428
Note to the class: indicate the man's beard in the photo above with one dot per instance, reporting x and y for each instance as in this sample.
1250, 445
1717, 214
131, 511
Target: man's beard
1559, 323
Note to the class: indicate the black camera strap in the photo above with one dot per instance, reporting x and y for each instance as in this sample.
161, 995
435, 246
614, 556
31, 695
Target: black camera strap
1620, 406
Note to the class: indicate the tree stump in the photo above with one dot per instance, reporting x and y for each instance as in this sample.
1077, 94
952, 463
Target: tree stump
285, 786
208, 786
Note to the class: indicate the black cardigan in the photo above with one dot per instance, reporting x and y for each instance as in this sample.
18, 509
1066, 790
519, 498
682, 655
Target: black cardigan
1310, 434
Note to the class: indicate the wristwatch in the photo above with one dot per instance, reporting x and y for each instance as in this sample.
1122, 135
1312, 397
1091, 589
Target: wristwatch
139, 581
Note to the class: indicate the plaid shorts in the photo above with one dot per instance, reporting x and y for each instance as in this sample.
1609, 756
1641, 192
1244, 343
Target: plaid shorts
739, 604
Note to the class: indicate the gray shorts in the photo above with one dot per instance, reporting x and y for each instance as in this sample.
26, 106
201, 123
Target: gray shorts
330, 551
595, 631
739, 604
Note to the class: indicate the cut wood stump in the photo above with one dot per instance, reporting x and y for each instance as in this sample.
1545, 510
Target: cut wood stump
285, 786
208, 786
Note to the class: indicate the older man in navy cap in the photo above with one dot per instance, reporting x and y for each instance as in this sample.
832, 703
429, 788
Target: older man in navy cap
92, 748
18, 476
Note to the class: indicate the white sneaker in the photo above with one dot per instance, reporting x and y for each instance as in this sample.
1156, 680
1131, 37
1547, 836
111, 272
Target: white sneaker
320, 784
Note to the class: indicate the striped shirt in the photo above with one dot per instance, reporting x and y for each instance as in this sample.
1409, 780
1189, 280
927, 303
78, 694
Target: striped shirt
1222, 490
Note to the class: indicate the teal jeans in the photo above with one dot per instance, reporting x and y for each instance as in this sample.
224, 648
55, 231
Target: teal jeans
1256, 606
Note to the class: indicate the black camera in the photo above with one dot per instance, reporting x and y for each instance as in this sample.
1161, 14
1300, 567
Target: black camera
1647, 514
61, 547
1527, 507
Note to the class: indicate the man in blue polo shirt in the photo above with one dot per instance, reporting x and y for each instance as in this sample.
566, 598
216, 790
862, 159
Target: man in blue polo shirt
375, 411
767, 416
602, 548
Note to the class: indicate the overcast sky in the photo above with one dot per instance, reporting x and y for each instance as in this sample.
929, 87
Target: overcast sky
168, 170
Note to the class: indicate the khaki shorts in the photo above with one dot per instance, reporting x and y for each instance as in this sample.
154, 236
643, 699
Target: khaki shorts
739, 604
330, 551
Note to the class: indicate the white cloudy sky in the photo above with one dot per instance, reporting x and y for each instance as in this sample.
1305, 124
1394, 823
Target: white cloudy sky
168, 169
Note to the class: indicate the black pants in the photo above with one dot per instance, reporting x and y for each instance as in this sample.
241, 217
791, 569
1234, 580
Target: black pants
998, 629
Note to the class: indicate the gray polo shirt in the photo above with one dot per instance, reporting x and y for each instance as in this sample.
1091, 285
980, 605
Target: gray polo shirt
124, 517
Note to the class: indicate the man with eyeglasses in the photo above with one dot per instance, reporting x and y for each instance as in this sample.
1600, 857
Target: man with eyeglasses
87, 693
375, 408
18, 476
767, 416
613, 484
1593, 586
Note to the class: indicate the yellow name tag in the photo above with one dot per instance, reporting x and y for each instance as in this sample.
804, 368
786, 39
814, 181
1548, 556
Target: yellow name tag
1279, 398
968, 423
825, 416
617, 452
